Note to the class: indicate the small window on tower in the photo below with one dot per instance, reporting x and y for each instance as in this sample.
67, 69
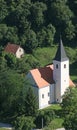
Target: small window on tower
64, 65
57, 66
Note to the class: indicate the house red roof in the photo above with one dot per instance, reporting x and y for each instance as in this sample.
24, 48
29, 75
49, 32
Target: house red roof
12, 48
44, 76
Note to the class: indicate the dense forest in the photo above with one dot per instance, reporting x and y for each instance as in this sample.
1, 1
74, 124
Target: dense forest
40, 23
35, 24
32, 24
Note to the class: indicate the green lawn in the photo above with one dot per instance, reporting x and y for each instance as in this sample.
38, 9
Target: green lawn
56, 123
54, 107
45, 55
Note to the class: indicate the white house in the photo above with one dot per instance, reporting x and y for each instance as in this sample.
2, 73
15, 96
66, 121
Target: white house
14, 49
51, 82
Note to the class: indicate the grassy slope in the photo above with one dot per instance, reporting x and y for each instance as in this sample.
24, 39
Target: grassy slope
45, 55
56, 123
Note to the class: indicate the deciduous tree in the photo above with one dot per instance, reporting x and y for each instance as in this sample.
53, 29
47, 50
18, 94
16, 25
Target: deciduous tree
31, 103
69, 105
24, 123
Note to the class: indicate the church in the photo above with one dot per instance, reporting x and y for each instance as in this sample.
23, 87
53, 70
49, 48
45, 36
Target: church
50, 82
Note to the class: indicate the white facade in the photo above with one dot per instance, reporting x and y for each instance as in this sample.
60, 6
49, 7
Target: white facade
45, 95
19, 52
61, 78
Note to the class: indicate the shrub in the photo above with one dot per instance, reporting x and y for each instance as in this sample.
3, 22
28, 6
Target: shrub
45, 117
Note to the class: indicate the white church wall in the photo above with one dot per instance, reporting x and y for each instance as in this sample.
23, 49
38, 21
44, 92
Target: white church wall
61, 78
44, 97
64, 76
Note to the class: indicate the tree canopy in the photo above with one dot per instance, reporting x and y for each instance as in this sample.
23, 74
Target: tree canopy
32, 23
69, 105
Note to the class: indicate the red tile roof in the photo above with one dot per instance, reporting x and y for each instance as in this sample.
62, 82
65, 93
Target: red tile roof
12, 48
44, 76
71, 84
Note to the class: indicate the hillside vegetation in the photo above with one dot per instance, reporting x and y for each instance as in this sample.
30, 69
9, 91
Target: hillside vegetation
40, 23
37, 27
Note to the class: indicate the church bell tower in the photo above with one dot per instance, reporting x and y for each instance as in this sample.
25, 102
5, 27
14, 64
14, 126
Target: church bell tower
60, 72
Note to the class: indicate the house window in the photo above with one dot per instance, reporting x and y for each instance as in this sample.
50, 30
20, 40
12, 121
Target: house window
56, 66
48, 94
42, 95
64, 65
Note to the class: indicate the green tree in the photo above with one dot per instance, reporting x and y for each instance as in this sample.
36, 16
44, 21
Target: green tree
24, 123
26, 63
62, 18
8, 34
37, 14
50, 34
11, 60
46, 36
18, 16
11, 35
69, 105
11, 85
61, 12
3, 31
3, 10
70, 31
46, 115
31, 104
3, 63
31, 41
73, 6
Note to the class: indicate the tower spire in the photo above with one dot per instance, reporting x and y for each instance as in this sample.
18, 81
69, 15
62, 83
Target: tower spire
60, 55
